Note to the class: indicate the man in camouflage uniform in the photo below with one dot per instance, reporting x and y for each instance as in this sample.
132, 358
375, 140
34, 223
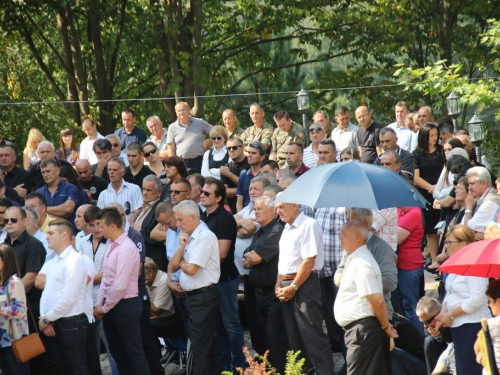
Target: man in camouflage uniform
288, 131
229, 120
261, 131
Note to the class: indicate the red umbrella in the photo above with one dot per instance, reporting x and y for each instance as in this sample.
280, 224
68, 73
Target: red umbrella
480, 259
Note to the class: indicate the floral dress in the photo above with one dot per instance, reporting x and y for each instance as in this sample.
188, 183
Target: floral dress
13, 306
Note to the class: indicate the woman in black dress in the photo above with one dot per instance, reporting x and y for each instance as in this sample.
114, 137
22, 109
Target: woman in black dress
429, 162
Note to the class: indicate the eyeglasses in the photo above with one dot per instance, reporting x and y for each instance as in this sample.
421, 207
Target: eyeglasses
115, 144
12, 219
448, 243
177, 192
206, 193
153, 151
427, 322
315, 130
216, 138
233, 148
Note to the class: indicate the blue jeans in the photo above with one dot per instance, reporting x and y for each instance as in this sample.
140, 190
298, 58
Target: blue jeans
9, 365
228, 332
71, 339
409, 285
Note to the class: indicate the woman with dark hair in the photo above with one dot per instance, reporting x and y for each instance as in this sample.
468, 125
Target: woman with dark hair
153, 161
69, 175
429, 162
13, 312
175, 168
67, 149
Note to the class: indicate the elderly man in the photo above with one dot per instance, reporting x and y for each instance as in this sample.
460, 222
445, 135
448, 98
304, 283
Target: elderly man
256, 154
39, 203
261, 131
322, 117
198, 259
465, 139
294, 157
45, 150
81, 225
402, 132
298, 288
286, 133
316, 134
360, 306
116, 150
158, 135
32, 227
230, 173
482, 202
446, 129
14, 177
89, 127
261, 259
391, 160
229, 120
92, 184
368, 135
187, 144
197, 181
129, 133
425, 114
136, 171
344, 135
61, 197
127, 195
389, 141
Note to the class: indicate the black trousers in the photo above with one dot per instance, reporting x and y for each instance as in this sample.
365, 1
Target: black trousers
256, 330
203, 308
150, 341
303, 320
93, 359
270, 318
367, 348
432, 350
194, 165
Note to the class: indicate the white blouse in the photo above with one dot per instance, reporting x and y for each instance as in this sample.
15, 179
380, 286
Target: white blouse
217, 155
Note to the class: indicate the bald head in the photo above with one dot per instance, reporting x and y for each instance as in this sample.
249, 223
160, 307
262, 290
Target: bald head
84, 170
354, 234
80, 222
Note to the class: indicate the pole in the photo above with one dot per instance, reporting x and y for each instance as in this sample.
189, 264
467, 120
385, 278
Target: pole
478, 153
304, 124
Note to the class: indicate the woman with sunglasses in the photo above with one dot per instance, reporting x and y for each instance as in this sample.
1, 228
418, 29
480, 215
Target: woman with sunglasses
153, 161
218, 156
175, 168
464, 305
13, 317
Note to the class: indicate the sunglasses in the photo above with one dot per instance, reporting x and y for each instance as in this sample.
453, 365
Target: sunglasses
205, 193
216, 138
177, 192
315, 130
153, 151
115, 144
427, 322
12, 219
233, 148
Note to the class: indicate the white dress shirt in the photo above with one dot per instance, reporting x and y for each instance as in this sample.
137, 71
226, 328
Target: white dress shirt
3, 235
404, 135
482, 216
87, 149
40, 236
217, 155
346, 137
89, 301
361, 278
87, 248
242, 244
301, 240
65, 286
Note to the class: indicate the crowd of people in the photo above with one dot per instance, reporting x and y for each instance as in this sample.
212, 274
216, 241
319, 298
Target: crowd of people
127, 238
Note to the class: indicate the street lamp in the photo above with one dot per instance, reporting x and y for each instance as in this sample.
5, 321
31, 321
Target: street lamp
476, 134
454, 108
303, 106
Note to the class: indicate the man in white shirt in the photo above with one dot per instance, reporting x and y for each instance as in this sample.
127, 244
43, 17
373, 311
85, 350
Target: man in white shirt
344, 135
299, 290
316, 134
81, 225
87, 145
360, 306
63, 305
403, 133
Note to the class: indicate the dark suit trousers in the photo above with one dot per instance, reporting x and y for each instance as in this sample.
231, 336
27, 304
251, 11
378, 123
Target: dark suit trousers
256, 328
304, 326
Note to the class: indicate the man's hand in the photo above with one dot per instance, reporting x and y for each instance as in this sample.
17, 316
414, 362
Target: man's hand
479, 236
98, 313
470, 202
49, 330
89, 194
183, 240
224, 171
176, 289
391, 332
285, 294
20, 190
431, 189
103, 162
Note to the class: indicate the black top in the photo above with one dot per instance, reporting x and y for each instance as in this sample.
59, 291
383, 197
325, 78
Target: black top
368, 139
216, 163
137, 179
36, 174
165, 194
154, 249
13, 196
430, 167
138, 240
223, 224
18, 176
236, 169
105, 174
96, 185
407, 161
30, 254
266, 243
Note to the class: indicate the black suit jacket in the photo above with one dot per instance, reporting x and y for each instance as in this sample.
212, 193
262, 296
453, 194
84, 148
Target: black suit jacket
154, 249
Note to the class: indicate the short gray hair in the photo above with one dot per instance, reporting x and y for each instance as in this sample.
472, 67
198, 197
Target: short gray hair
268, 202
114, 136
155, 179
397, 157
151, 118
269, 177
120, 161
288, 177
275, 188
46, 143
481, 173
428, 306
363, 230
362, 214
34, 212
257, 105
265, 181
188, 208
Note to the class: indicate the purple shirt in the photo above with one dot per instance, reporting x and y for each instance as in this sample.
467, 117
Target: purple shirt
121, 271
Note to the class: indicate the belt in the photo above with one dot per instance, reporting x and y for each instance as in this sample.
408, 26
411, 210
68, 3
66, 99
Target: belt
291, 276
80, 316
350, 325
193, 158
197, 291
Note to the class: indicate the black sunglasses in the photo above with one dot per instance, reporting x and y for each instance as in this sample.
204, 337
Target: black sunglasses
153, 151
177, 192
233, 148
205, 193
115, 144
427, 322
12, 219
314, 130
216, 138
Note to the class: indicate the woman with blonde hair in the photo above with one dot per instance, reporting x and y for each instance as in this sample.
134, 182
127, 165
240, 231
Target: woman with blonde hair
218, 156
67, 147
30, 157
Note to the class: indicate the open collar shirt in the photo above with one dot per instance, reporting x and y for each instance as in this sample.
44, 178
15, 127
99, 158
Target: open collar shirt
127, 193
97, 256
331, 221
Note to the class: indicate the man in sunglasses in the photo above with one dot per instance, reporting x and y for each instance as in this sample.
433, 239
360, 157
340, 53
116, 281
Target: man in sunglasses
116, 151
316, 135
288, 131
136, 171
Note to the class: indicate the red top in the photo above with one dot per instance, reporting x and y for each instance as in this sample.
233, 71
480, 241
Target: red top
410, 251
303, 169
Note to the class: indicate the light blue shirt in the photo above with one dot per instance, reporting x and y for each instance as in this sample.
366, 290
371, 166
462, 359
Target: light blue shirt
172, 243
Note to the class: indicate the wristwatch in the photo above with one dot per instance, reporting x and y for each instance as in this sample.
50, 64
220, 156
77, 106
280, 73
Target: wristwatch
45, 321
294, 287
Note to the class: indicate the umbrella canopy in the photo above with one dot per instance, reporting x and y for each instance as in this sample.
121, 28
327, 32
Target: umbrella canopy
352, 184
480, 259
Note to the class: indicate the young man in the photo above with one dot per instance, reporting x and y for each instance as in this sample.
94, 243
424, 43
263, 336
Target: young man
136, 171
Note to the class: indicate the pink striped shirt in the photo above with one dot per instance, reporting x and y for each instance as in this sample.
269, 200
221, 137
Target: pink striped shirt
121, 272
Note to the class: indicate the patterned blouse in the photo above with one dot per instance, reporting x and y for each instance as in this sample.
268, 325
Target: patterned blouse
15, 310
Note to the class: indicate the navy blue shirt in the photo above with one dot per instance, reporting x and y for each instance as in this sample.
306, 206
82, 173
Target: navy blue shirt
243, 188
63, 193
135, 136
138, 239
